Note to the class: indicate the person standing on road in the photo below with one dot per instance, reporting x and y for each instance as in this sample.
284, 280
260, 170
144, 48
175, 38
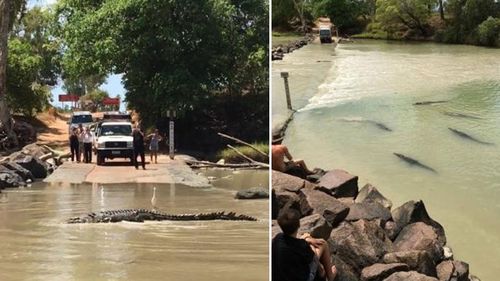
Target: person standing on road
138, 143
154, 145
80, 140
74, 145
87, 145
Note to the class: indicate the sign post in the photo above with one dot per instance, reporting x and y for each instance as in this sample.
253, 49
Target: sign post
284, 75
171, 148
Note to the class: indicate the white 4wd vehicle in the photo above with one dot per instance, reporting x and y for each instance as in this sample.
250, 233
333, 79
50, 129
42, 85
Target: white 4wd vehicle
80, 117
114, 140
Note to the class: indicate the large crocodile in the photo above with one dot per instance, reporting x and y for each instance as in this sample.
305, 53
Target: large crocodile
141, 215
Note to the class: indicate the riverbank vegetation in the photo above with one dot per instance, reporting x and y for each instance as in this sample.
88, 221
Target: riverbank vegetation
207, 61
231, 156
475, 22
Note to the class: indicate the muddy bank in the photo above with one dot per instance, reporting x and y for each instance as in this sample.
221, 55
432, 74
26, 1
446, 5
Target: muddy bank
368, 239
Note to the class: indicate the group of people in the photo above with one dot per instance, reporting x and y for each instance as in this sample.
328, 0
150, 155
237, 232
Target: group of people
301, 258
80, 141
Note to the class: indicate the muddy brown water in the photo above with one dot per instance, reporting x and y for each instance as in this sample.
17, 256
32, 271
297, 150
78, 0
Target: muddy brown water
37, 245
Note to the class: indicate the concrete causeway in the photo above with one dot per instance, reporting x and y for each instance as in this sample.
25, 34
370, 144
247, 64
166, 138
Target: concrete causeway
120, 171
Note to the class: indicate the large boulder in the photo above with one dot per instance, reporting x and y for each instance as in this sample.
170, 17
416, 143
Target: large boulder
419, 236
419, 261
344, 271
453, 271
411, 212
370, 193
253, 193
33, 164
409, 276
34, 150
316, 225
321, 203
286, 200
339, 183
20, 170
368, 211
284, 182
380, 271
9, 178
359, 244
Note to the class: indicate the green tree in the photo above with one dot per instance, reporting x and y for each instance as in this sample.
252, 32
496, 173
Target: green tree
411, 14
345, 14
489, 32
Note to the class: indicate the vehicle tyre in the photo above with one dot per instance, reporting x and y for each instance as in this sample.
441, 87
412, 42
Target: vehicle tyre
100, 159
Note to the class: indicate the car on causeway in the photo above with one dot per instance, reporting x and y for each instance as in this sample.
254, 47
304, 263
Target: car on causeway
80, 117
113, 140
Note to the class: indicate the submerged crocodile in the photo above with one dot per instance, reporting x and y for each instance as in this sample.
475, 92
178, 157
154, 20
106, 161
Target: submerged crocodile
141, 215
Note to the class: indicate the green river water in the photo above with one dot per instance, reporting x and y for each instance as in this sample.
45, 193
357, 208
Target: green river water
337, 90
37, 245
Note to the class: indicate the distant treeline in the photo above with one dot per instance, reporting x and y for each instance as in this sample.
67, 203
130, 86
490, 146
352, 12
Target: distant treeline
474, 22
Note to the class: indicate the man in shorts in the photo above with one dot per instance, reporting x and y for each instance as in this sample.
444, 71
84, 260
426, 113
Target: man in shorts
299, 259
279, 152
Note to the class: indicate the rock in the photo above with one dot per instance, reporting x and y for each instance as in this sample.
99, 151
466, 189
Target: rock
316, 225
368, 211
447, 253
37, 167
321, 203
453, 271
412, 212
419, 261
409, 276
286, 200
253, 193
380, 271
339, 183
34, 150
20, 170
275, 228
370, 193
390, 229
474, 278
419, 236
274, 205
359, 244
344, 271
9, 178
285, 182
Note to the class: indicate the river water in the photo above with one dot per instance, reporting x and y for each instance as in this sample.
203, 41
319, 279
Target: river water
37, 245
338, 92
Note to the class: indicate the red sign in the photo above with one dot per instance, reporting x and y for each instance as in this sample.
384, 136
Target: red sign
74, 98
111, 101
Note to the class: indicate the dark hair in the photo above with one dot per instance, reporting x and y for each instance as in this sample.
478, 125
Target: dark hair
289, 221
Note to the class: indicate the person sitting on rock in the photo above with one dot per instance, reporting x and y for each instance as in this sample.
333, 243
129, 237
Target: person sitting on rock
300, 259
293, 167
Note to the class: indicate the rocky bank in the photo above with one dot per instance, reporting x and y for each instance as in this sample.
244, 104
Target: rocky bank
30, 163
279, 51
369, 240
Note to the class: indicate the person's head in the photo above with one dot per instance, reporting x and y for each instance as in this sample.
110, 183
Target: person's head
289, 221
157, 131
80, 126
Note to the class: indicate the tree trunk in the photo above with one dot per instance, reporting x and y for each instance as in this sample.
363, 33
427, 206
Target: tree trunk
300, 10
5, 118
441, 9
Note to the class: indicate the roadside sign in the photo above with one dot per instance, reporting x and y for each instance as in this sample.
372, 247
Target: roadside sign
171, 139
111, 101
69, 97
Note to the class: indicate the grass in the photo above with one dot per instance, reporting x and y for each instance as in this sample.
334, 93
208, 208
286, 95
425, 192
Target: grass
230, 156
283, 38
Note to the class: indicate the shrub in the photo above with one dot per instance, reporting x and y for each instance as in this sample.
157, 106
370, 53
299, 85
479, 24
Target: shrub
489, 32
230, 156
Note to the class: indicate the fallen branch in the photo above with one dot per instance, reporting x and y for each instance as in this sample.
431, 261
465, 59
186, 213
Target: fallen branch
243, 142
248, 158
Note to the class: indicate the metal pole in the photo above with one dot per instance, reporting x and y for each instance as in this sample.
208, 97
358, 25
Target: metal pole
284, 75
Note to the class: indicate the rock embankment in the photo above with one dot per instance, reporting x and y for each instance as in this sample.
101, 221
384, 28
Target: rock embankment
279, 51
24, 166
369, 241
